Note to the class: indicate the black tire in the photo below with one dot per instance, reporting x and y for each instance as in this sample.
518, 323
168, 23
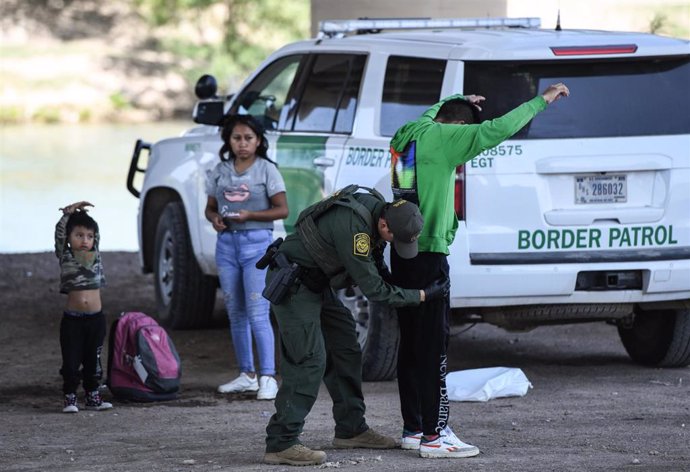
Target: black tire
377, 333
658, 338
184, 295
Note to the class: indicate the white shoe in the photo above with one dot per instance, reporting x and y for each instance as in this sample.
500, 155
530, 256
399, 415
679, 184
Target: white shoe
268, 388
70, 403
410, 440
446, 445
95, 402
243, 383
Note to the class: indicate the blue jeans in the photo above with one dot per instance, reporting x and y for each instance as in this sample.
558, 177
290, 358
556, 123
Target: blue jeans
242, 284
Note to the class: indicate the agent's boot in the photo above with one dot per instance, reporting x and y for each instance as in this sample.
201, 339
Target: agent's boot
369, 439
296, 455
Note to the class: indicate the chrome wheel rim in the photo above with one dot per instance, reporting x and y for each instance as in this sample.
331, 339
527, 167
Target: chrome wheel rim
358, 305
166, 268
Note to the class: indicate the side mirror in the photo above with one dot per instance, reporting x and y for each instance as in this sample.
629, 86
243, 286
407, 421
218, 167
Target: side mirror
209, 112
206, 87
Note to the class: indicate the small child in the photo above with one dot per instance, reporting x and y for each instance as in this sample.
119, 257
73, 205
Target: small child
82, 329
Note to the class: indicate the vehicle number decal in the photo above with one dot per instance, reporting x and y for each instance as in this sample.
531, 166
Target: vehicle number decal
503, 150
486, 158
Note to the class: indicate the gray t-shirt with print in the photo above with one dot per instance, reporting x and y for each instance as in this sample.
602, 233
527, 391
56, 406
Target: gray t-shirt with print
250, 190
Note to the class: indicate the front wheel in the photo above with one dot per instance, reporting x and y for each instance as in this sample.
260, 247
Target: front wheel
658, 338
377, 333
184, 294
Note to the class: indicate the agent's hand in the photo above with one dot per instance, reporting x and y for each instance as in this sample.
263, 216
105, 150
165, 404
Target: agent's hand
554, 92
78, 206
437, 289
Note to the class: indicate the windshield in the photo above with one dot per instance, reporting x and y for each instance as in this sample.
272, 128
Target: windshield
613, 98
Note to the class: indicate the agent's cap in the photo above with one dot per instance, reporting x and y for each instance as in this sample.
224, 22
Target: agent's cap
405, 222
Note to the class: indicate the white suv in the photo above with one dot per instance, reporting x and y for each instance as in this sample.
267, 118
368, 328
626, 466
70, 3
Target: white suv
584, 215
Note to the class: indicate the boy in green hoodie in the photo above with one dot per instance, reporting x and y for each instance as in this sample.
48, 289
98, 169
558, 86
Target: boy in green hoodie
424, 155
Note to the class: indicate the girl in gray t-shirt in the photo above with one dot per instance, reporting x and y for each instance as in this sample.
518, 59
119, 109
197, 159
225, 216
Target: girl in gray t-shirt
246, 193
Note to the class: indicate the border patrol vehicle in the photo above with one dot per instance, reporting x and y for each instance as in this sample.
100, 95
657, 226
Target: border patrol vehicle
584, 215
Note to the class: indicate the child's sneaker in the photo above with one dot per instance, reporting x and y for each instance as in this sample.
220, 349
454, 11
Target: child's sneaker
243, 383
410, 440
268, 388
95, 402
446, 445
70, 403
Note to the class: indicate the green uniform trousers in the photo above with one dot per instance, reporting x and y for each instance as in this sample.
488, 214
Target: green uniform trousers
317, 341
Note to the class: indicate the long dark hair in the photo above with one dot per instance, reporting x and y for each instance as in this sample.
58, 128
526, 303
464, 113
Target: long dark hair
229, 124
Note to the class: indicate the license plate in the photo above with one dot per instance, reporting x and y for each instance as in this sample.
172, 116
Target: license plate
610, 188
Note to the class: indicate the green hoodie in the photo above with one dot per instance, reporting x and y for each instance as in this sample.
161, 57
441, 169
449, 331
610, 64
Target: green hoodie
438, 149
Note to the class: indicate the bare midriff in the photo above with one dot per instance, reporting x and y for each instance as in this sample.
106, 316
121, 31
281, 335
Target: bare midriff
86, 301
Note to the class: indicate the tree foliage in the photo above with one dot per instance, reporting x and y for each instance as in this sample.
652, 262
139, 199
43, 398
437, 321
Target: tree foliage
247, 29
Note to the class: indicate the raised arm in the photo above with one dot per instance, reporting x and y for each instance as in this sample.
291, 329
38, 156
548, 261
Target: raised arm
61, 226
464, 142
61, 235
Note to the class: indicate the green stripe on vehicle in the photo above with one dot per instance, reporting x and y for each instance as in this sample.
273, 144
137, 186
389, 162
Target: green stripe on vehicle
303, 181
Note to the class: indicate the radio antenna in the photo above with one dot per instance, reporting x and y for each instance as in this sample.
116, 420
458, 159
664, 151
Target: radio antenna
558, 21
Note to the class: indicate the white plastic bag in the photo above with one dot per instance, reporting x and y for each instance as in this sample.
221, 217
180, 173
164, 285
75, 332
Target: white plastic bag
480, 385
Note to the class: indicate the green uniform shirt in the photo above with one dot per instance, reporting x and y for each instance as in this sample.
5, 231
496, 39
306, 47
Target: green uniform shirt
354, 242
440, 148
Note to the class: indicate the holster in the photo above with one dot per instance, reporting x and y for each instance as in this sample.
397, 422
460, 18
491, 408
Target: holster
287, 274
267, 258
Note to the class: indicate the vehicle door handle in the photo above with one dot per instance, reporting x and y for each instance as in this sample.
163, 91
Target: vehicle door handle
323, 162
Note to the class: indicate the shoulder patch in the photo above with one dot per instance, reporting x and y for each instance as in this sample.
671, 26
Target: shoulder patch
362, 245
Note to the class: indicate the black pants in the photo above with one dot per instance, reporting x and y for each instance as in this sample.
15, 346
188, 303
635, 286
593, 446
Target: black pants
81, 342
422, 359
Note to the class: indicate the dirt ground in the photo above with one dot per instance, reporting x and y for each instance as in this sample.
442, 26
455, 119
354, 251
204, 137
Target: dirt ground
590, 408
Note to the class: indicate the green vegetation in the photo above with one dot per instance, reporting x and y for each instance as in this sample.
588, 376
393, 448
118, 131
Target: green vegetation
11, 115
667, 22
119, 101
231, 36
47, 114
121, 63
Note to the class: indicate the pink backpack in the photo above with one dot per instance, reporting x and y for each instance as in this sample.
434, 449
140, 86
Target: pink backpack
143, 364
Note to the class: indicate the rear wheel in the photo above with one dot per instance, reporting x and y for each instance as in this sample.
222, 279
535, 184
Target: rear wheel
184, 295
658, 338
377, 333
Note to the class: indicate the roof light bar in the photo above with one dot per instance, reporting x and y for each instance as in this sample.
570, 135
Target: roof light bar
594, 50
339, 28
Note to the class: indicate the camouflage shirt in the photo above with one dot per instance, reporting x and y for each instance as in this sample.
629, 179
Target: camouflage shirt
81, 270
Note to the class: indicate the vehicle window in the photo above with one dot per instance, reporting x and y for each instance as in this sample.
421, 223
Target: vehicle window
265, 97
348, 102
330, 94
411, 86
609, 99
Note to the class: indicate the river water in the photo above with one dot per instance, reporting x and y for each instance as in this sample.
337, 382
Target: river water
45, 167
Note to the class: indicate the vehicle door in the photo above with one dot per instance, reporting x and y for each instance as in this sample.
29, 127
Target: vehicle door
399, 88
307, 103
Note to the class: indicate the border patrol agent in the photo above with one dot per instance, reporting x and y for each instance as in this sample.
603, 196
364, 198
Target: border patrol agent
339, 242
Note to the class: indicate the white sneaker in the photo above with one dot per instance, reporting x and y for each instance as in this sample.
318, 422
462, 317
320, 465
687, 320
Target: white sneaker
268, 388
410, 440
95, 402
70, 403
446, 445
243, 383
